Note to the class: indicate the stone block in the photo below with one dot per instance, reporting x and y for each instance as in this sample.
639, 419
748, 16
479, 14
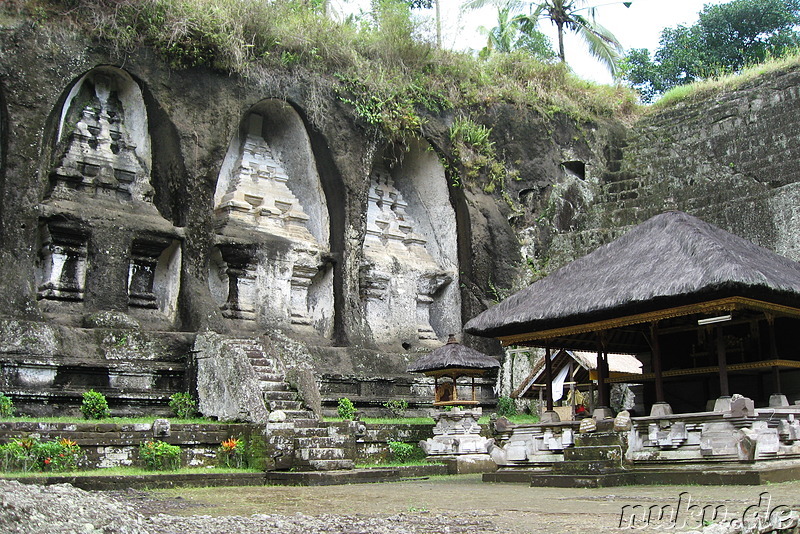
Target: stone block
469, 464
588, 425
742, 407
516, 451
622, 422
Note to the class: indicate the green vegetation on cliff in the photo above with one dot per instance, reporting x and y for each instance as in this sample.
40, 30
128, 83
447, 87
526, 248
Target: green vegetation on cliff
703, 89
375, 62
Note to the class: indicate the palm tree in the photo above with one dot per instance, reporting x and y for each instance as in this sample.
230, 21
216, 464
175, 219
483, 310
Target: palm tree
567, 15
501, 38
516, 33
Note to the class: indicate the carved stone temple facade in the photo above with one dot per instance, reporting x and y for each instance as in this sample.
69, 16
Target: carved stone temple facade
153, 254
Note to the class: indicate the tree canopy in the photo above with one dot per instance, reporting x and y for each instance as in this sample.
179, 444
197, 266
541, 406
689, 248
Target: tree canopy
516, 33
567, 15
726, 38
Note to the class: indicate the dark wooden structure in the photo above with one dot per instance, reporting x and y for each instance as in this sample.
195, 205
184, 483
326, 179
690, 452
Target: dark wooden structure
709, 313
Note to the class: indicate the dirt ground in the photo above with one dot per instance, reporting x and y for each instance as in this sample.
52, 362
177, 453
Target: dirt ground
511, 508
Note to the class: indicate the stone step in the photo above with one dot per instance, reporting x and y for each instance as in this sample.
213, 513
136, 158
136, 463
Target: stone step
308, 422
271, 385
296, 414
325, 442
586, 467
320, 453
599, 452
583, 481
270, 377
261, 361
599, 439
262, 366
285, 405
311, 432
340, 426
326, 465
278, 394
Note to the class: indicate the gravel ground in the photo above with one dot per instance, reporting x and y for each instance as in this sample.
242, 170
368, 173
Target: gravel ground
63, 509
440, 505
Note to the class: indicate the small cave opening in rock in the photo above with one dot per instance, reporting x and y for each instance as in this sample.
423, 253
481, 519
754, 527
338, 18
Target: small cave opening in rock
575, 168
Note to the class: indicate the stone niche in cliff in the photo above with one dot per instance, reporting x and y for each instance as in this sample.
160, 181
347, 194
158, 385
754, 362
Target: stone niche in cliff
271, 263
100, 172
409, 276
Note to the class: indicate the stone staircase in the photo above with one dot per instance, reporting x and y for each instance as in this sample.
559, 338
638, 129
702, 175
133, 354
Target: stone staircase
308, 444
276, 392
312, 445
323, 446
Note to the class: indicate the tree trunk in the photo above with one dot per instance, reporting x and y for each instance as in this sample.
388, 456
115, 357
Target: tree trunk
560, 26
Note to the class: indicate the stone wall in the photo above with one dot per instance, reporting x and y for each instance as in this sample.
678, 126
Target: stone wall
117, 445
729, 158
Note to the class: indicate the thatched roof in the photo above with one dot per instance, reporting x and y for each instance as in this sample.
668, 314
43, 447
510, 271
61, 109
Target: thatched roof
670, 259
453, 355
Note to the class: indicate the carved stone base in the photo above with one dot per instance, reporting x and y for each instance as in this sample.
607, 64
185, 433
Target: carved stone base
660, 409
468, 464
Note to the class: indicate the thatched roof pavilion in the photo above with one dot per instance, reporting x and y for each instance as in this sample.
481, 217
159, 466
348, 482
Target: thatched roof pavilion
454, 360
672, 286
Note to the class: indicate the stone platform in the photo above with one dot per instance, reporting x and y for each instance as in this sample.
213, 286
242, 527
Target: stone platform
204, 479
704, 475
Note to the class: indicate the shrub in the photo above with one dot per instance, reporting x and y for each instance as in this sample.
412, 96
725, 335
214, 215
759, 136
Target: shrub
160, 456
95, 405
506, 407
231, 453
397, 407
6, 406
183, 405
405, 452
30, 454
346, 409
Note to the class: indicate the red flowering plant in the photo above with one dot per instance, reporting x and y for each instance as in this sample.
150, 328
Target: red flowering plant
231, 453
31, 454
58, 455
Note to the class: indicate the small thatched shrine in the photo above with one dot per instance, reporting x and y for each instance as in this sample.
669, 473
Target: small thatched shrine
450, 362
457, 438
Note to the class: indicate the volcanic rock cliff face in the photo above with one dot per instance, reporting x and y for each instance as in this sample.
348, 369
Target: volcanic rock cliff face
143, 205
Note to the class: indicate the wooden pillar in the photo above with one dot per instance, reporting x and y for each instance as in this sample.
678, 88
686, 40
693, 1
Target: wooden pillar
473, 389
455, 387
722, 361
571, 390
602, 369
548, 378
773, 353
655, 348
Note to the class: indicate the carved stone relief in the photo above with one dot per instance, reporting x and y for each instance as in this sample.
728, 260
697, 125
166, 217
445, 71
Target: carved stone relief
400, 279
98, 154
289, 282
100, 169
63, 261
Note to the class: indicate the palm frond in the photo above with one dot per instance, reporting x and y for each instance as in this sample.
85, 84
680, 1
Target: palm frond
601, 47
512, 5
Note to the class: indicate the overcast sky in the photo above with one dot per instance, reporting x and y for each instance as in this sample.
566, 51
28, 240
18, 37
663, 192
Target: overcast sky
638, 26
